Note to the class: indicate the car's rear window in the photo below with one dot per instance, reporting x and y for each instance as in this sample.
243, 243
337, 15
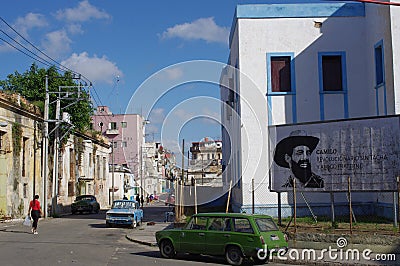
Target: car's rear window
123, 205
84, 198
266, 224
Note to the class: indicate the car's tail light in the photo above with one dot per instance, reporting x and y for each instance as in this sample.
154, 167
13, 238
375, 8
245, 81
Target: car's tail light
286, 237
262, 240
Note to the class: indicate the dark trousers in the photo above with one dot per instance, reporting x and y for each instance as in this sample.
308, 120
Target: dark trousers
35, 216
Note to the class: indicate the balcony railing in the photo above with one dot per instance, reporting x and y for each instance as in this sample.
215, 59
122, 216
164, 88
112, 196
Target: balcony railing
112, 132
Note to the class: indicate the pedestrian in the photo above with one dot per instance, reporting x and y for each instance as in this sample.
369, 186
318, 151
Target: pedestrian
35, 212
125, 197
147, 199
138, 199
142, 200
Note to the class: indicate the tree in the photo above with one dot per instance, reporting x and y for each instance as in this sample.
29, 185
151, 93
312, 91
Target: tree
31, 85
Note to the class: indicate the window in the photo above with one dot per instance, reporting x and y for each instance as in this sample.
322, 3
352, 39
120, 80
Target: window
123, 124
98, 166
124, 144
71, 189
24, 155
90, 160
281, 80
242, 225
219, 224
197, 223
379, 66
2, 146
113, 125
25, 190
332, 79
104, 168
115, 143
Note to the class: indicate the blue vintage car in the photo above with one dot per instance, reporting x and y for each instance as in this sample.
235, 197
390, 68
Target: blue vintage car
124, 212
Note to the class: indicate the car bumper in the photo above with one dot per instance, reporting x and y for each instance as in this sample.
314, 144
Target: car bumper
120, 220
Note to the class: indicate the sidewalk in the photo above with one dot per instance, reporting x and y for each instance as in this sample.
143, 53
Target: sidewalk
154, 216
299, 251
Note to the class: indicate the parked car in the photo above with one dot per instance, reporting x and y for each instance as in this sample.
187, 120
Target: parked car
124, 212
85, 203
234, 235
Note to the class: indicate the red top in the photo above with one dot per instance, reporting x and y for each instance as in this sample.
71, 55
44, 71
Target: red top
35, 205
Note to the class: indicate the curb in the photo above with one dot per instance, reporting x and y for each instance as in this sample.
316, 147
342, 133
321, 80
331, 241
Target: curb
141, 242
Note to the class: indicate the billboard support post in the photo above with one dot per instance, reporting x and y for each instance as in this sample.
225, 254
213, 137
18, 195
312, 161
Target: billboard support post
350, 209
294, 205
332, 208
398, 198
279, 209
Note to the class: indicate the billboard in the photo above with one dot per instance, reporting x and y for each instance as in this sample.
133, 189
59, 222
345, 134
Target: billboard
322, 156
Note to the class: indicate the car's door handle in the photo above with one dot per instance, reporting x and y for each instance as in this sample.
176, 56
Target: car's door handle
227, 235
201, 234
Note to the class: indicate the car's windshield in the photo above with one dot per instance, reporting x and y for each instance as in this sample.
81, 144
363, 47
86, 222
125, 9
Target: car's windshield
123, 204
266, 224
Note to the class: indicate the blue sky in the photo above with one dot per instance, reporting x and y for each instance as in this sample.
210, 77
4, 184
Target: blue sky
120, 45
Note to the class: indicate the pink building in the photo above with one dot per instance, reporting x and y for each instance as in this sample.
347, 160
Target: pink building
126, 135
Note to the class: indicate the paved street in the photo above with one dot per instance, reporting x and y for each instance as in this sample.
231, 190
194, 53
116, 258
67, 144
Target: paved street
82, 240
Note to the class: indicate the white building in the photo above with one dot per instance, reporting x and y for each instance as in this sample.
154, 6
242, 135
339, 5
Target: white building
299, 63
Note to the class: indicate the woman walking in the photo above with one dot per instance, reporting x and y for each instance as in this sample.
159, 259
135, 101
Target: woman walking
34, 205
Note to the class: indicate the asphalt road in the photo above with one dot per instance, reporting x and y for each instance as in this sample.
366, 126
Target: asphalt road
82, 240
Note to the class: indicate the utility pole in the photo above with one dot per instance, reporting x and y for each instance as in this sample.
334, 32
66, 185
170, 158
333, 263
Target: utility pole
112, 168
56, 149
46, 146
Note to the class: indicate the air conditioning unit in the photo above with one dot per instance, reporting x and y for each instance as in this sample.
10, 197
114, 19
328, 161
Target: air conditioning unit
66, 117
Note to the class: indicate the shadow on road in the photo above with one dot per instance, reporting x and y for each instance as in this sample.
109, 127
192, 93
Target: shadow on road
16, 231
189, 258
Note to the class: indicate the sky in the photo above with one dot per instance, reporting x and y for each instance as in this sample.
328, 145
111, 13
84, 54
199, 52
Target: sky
141, 57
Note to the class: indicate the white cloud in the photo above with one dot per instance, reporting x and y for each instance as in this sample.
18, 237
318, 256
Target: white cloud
96, 69
30, 21
173, 73
157, 115
75, 29
201, 29
83, 12
56, 43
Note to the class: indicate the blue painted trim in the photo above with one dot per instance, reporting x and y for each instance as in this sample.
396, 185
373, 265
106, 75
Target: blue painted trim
270, 93
301, 10
344, 84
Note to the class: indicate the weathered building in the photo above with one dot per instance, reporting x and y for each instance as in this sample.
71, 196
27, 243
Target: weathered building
20, 154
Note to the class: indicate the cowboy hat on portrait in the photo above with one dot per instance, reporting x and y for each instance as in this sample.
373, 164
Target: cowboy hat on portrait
286, 145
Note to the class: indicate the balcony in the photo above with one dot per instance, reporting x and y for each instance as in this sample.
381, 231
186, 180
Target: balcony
112, 132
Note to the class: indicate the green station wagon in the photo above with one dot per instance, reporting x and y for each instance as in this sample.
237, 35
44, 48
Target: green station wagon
233, 235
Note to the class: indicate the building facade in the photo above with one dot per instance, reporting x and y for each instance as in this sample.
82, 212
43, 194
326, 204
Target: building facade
205, 165
125, 132
20, 155
297, 63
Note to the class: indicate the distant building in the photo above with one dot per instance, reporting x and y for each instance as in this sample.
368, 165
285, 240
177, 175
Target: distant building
206, 162
126, 135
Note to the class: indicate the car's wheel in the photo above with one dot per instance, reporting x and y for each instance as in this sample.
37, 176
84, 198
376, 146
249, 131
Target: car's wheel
73, 212
259, 261
108, 224
234, 255
90, 209
167, 249
97, 210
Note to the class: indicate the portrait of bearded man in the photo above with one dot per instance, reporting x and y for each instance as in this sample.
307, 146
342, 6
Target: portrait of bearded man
294, 153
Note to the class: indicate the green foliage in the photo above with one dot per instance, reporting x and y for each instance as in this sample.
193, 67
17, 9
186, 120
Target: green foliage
31, 85
17, 137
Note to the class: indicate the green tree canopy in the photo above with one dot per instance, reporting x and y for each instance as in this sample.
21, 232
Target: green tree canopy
31, 85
